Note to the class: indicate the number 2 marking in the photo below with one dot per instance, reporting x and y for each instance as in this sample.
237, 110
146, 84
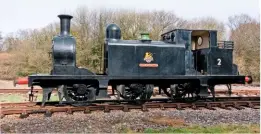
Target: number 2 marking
219, 62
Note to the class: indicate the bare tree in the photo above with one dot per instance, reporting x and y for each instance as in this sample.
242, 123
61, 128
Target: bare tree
160, 21
1, 42
208, 23
245, 32
237, 20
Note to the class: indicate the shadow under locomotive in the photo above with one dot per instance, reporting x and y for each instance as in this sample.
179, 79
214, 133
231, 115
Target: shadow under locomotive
184, 64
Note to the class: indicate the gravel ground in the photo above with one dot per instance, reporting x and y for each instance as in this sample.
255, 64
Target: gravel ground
118, 121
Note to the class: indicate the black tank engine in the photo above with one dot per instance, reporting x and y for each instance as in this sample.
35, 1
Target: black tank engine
184, 64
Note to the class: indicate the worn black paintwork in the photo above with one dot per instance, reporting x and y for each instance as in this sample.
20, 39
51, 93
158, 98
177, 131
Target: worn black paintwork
64, 51
209, 56
54, 80
125, 57
173, 54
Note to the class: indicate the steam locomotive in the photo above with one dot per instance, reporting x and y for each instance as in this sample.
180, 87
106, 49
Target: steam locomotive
183, 64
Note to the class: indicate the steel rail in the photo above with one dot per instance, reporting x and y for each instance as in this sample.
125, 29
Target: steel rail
48, 111
24, 109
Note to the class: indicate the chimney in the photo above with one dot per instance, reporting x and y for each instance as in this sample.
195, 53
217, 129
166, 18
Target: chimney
65, 24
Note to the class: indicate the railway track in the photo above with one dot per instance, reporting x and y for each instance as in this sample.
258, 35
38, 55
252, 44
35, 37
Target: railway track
27, 108
20, 91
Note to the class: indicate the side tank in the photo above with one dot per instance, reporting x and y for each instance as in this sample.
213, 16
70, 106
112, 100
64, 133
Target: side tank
142, 57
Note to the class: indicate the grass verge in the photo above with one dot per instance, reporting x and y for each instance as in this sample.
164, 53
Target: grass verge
222, 128
14, 97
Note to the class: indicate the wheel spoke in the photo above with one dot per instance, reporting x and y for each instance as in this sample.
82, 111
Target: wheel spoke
79, 93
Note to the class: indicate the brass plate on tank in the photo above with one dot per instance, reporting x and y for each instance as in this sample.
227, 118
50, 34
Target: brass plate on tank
148, 65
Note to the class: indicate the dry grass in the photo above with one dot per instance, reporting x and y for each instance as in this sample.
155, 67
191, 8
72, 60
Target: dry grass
7, 71
12, 98
5, 56
163, 120
221, 128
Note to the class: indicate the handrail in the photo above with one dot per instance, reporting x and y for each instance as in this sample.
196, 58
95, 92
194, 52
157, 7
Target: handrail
225, 44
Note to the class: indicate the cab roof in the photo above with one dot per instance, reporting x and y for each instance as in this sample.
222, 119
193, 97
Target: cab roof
187, 30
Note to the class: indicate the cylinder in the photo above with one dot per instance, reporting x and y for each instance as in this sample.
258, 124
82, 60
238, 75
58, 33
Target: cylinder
65, 24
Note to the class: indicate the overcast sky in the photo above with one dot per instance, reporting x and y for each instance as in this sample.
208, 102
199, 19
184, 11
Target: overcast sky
24, 14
